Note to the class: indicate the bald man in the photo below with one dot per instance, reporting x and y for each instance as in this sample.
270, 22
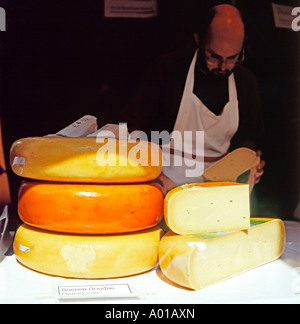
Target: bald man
203, 88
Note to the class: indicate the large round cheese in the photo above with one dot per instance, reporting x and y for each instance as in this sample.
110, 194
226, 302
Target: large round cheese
197, 261
87, 256
90, 208
85, 160
208, 207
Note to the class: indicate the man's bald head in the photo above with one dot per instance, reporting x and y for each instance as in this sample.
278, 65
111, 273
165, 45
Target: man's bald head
222, 39
226, 31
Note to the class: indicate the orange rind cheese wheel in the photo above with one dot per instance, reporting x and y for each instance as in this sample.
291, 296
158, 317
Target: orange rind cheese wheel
87, 256
93, 160
90, 208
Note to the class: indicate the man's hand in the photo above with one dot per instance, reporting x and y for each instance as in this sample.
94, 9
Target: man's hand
260, 168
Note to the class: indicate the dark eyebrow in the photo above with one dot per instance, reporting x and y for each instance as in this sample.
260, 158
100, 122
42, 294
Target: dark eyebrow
219, 56
233, 56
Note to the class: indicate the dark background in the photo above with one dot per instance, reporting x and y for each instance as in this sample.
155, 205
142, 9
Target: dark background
61, 60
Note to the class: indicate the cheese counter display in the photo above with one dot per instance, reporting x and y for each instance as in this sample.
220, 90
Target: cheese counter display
87, 256
198, 261
90, 208
67, 159
208, 207
93, 211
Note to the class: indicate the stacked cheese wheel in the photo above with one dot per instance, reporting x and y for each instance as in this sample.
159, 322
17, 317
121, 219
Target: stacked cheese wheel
90, 209
213, 237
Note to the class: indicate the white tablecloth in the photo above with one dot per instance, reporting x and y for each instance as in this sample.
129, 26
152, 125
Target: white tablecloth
277, 282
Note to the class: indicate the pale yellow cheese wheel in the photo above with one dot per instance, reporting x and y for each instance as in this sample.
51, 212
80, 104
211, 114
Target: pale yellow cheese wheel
198, 261
87, 256
86, 160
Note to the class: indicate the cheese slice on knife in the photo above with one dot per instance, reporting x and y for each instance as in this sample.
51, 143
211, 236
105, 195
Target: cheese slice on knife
208, 207
87, 256
199, 261
86, 160
232, 165
90, 208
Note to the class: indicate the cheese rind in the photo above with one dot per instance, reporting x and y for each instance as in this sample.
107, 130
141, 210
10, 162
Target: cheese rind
84, 160
208, 207
87, 256
199, 261
90, 208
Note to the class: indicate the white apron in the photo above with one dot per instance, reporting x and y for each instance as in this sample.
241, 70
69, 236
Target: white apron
211, 134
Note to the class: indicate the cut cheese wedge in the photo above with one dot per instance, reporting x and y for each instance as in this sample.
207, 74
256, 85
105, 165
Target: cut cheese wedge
201, 260
87, 256
90, 208
232, 165
208, 207
84, 160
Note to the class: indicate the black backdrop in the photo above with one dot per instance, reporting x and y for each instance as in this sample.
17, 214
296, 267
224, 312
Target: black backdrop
61, 60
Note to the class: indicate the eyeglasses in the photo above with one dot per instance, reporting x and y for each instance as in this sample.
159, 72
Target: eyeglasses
214, 59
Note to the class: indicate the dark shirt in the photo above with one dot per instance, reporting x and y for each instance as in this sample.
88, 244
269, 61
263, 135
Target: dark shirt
213, 92
156, 103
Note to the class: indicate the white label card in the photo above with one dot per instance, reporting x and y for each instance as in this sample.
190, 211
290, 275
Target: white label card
100, 291
80, 128
130, 8
283, 16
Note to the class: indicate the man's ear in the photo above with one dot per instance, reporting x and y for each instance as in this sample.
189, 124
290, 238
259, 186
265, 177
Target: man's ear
197, 39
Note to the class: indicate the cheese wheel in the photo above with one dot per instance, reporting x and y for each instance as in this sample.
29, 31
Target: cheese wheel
208, 207
84, 160
201, 260
90, 208
232, 165
87, 256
